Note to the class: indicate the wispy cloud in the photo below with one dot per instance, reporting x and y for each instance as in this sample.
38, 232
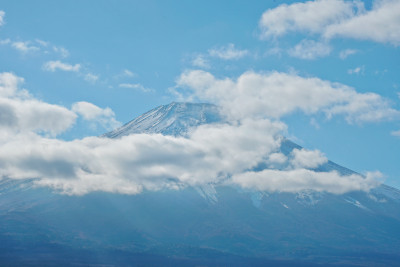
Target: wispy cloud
2, 14
136, 86
309, 49
24, 47
63, 52
90, 77
347, 52
357, 70
228, 52
5, 41
58, 65
395, 133
200, 61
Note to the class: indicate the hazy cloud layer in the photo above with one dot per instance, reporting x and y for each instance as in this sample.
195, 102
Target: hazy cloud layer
335, 18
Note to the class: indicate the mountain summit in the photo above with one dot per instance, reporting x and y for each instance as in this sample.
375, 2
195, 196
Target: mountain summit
209, 225
173, 119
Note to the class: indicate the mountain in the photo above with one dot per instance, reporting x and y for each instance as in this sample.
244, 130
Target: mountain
197, 226
173, 119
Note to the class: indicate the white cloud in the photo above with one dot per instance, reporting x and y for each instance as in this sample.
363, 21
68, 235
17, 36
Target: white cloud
214, 153
347, 52
24, 47
303, 158
277, 158
2, 14
335, 18
58, 65
228, 52
310, 17
200, 61
395, 133
136, 86
356, 70
20, 112
381, 24
309, 49
90, 77
90, 112
275, 94
142, 161
303, 179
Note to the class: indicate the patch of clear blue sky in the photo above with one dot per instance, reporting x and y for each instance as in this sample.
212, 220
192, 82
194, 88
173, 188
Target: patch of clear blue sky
157, 40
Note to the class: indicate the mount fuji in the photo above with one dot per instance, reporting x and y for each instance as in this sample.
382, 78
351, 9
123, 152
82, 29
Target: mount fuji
208, 225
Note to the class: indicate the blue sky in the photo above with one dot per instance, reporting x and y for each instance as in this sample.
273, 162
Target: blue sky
126, 57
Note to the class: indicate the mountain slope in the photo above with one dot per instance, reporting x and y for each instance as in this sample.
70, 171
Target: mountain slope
209, 225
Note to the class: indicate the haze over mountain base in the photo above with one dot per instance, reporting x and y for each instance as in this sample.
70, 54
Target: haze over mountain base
205, 225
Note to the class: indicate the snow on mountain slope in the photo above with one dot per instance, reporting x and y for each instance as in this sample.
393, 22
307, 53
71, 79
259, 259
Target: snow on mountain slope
172, 119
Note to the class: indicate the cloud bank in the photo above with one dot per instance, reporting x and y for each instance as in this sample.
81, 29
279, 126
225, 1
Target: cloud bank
224, 153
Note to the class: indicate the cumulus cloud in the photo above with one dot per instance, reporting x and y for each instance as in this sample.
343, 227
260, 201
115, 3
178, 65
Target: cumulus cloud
276, 94
21, 112
91, 112
225, 153
335, 18
381, 24
309, 49
310, 16
303, 158
228, 52
142, 161
58, 65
